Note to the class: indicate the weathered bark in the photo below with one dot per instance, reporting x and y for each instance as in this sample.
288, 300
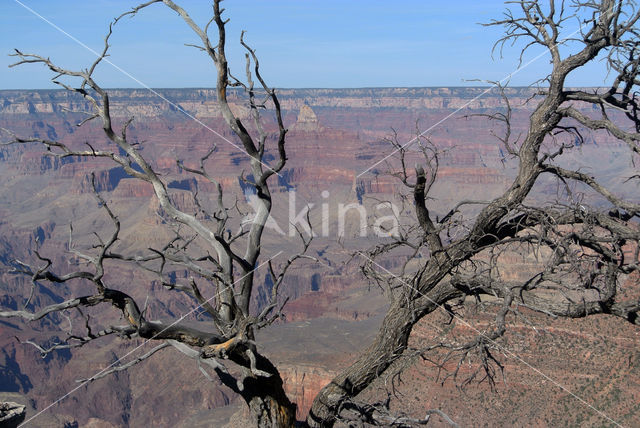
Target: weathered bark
259, 383
268, 403
391, 341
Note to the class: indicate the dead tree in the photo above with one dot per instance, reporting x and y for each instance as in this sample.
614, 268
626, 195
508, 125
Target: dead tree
586, 250
227, 264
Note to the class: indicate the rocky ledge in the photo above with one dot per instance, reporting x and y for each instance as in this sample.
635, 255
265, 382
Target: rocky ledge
11, 414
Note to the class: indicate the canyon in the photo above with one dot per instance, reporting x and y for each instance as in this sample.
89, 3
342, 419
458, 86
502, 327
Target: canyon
338, 144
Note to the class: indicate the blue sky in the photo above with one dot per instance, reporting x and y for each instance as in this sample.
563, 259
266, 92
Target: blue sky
301, 43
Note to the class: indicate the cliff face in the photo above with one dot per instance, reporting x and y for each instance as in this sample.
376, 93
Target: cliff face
336, 145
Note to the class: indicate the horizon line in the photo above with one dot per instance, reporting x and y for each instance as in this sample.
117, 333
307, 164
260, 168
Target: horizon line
311, 88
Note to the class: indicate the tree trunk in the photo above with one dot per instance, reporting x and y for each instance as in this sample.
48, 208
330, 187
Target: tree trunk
390, 343
271, 410
268, 404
